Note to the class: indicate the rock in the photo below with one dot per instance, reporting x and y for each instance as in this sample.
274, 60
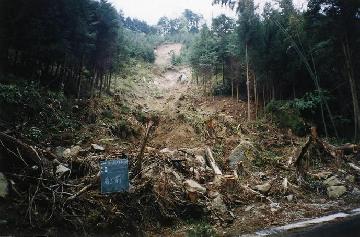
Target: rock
4, 191
177, 176
195, 173
356, 192
285, 184
67, 152
323, 175
263, 188
248, 208
62, 170
195, 151
245, 150
167, 151
350, 178
150, 149
59, 151
274, 206
71, 152
213, 194
218, 204
193, 186
183, 79
332, 181
290, 197
336, 191
97, 147
200, 161
74, 151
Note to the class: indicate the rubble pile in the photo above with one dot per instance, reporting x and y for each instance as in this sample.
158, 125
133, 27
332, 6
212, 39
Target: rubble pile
61, 186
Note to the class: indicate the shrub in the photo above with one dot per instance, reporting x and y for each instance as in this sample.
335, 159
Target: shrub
286, 116
36, 108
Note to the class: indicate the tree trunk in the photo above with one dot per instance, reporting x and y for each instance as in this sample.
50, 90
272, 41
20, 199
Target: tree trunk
247, 81
223, 72
232, 87
237, 92
255, 97
353, 87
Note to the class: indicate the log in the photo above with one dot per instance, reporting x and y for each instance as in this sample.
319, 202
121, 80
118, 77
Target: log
354, 167
15, 147
210, 159
143, 145
300, 152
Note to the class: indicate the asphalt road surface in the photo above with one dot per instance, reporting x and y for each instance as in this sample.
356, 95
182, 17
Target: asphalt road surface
347, 227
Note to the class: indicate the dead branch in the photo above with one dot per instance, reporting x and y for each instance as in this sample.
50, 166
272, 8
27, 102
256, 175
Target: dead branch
27, 153
210, 159
354, 167
83, 190
336, 152
143, 145
300, 152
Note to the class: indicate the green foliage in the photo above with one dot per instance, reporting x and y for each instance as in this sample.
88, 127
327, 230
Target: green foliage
175, 59
201, 230
187, 23
286, 116
124, 129
310, 102
41, 112
140, 46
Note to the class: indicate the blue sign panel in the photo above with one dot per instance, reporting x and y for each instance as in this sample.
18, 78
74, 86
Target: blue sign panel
114, 176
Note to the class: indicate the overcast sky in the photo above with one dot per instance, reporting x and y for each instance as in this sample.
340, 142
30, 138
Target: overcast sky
152, 10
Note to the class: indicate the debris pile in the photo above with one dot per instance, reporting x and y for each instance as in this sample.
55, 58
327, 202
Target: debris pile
61, 186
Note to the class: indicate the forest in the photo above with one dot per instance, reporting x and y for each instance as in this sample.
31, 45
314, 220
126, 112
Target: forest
286, 60
234, 125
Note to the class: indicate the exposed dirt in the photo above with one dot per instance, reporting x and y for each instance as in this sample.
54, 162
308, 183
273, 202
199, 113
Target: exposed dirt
189, 120
163, 53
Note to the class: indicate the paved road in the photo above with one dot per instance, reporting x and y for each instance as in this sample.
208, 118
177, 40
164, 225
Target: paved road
348, 227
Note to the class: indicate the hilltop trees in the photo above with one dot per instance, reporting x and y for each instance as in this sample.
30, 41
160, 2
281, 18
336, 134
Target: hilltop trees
188, 22
63, 44
336, 27
287, 55
203, 56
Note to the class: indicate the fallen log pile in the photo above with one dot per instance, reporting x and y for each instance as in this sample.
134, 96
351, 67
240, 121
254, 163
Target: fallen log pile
63, 190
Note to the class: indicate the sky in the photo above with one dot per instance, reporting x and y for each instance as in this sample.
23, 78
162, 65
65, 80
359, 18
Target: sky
152, 10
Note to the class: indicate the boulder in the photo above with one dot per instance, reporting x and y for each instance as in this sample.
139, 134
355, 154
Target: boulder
332, 181
244, 151
356, 192
290, 197
62, 170
274, 206
200, 161
67, 152
218, 204
263, 188
97, 147
193, 186
59, 151
350, 178
167, 151
336, 191
3, 186
249, 208
323, 175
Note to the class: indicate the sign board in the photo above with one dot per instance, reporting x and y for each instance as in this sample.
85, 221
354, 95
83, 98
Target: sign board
114, 176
